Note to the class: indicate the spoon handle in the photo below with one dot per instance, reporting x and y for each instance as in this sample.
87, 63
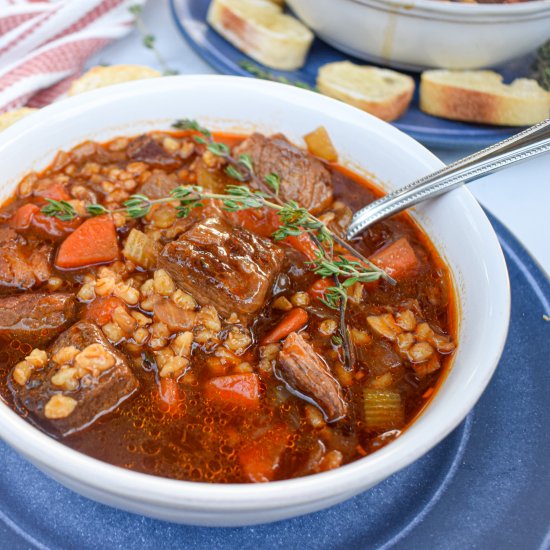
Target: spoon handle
529, 143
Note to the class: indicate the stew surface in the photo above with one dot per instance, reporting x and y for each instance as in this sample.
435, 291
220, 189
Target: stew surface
201, 347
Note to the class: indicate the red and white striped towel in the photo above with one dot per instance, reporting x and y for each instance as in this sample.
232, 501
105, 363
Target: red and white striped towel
45, 43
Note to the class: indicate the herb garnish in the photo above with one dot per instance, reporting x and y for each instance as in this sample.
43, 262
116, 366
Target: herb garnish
149, 40
262, 74
294, 221
542, 66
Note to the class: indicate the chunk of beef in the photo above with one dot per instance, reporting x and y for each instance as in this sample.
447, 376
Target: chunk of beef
96, 393
22, 267
145, 149
36, 318
305, 372
224, 266
304, 178
158, 185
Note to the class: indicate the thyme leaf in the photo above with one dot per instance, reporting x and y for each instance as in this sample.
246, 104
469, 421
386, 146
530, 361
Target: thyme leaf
542, 66
262, 74
274, 181
62, 210
148, 39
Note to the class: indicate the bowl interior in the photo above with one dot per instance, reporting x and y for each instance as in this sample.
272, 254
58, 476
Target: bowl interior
455, 223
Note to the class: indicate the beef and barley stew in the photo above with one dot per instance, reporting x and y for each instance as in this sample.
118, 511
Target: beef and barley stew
185, 304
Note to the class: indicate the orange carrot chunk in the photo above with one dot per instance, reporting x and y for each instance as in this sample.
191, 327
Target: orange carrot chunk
236, 389
23, 217
318, 288
265, 222
303, 243
29, 217
398, 259
169, 391
55, 191
101, 309
260, 459
292, 321
94, 242
260, 221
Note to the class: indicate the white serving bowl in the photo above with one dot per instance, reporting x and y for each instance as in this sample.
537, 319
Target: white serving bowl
424, 34
455, 222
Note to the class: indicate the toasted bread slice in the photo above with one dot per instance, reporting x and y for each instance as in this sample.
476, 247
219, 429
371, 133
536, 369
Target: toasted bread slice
11, 117
384, 93
481, 96
260, 29
99, 77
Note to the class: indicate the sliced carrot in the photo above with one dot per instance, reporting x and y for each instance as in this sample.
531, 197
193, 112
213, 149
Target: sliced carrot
101, 309
303, 243
29, 217
23, 217
55, 191
236, 389
319, 287
265, 222
94, 242
292, 321
261, 221
260, 459
397, 260
351, 258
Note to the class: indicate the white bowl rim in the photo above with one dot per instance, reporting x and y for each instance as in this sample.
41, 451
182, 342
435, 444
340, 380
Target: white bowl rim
47, 452
463, 8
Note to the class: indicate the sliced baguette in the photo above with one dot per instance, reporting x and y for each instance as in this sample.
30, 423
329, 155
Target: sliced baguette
260, 29
384, 93
11, 117
99, 77
481, 96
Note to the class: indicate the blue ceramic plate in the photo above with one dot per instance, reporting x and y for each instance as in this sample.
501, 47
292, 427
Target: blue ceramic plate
190, 17
485, 486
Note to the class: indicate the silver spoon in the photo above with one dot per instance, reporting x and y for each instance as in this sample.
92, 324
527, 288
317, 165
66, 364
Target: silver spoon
525, 145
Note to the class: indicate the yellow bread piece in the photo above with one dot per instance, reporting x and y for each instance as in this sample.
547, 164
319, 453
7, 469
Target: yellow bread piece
99, 77
384, 93
11, 117
481, 96
260, 29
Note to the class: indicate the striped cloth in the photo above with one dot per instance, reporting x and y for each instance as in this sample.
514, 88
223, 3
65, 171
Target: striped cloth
45, 43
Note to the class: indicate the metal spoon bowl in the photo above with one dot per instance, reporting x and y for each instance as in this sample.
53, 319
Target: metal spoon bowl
527, 144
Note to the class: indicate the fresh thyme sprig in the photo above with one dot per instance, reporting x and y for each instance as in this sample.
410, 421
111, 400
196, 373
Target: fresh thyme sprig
244, 172
542, 66
262, 74
294, 221
353, 272
240, 169
149, 40
62, 210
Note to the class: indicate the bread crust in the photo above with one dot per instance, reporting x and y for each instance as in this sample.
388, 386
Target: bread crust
99, 77
11, 117
455, 102
263, 32
391, 104
388, 110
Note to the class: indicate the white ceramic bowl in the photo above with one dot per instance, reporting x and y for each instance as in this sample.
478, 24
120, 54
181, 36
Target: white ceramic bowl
423, 34
455, 222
